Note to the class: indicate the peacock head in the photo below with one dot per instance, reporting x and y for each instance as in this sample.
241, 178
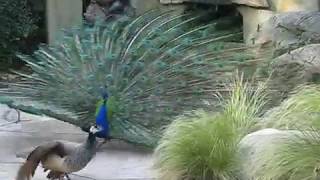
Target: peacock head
95, 129
93, 133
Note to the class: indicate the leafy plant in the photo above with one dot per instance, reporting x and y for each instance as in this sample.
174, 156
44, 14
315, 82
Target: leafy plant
300, 110
203, 145
296, 156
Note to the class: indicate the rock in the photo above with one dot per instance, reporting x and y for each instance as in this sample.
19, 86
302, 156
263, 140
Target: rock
252, 20
254, 145
171, 1
295, 68
252, 3
142, 6
214, 2
291, 30
294, 5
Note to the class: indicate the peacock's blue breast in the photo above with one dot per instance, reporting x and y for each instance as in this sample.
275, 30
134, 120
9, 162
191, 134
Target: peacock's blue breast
102, 121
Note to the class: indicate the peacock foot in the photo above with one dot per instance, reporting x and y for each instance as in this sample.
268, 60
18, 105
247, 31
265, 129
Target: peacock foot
67, 176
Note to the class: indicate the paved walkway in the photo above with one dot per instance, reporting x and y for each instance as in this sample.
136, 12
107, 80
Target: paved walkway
115, 161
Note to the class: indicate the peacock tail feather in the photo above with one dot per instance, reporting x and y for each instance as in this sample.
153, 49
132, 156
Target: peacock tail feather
153, 67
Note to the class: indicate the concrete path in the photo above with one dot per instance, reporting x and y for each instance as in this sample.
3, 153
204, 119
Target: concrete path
115, 161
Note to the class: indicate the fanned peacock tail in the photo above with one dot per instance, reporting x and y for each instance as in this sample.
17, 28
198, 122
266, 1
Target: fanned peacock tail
153, 67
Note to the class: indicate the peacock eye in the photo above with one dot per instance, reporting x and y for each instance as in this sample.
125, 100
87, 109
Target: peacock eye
182, 84
111, 57
109, 77
139, 65
154, 50
125, 68
161, 79
160, 65
143, 79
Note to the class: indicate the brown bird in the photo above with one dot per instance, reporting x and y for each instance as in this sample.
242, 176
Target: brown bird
60, 157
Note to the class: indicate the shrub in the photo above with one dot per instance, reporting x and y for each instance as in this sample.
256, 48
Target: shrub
203, 145
16, 24
300, 110
297, 157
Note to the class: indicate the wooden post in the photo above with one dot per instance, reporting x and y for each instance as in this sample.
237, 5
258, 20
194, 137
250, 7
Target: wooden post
62, 14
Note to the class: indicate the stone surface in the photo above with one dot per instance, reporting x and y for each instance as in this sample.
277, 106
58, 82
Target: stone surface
254, 145
252, 21
215, 2
295, 68
62, 14
291, 30
252, 3
142, 6
294, 5
115, 160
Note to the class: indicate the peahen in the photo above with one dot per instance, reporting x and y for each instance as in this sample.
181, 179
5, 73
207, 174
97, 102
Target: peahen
60, 158
144, 70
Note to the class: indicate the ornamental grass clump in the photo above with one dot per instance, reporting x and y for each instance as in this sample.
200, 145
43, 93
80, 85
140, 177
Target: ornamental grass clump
300, 110
203, 145
297, 156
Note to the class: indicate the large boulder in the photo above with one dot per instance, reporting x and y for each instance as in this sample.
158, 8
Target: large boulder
214, 2
252, 20
291, 30
142, 6
253, 3
279, 21
294, 68
294, 5
254, 146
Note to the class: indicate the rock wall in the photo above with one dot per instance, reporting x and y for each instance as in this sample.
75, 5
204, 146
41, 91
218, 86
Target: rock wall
256, 19
62, 14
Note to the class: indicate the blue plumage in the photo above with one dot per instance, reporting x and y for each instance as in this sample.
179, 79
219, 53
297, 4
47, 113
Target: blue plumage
102, 120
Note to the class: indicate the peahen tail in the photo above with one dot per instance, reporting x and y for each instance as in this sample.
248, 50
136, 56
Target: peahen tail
26, 171
153, 67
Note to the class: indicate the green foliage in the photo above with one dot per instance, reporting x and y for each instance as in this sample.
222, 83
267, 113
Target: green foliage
17, 23
197, 147
300, 110
296, 155
294, 158
204, 145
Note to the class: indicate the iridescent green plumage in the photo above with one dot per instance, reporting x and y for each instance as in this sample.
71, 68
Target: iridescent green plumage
154, 67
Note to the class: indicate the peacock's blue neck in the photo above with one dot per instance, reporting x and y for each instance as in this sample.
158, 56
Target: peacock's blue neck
103, 121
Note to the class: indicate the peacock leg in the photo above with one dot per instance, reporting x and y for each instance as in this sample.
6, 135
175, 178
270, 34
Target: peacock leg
102, 143
67, 176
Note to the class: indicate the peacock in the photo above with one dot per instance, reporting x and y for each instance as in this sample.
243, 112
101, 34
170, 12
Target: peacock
60, 158
133, 75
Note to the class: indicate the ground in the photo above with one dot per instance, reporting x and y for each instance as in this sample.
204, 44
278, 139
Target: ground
115, 161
